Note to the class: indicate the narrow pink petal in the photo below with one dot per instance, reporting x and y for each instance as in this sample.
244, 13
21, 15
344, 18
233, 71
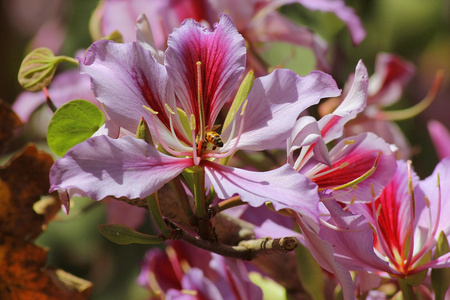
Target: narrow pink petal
350, 161
392, 74
122, 16
124, 167
306, 133
440, 137
429, 187
332, 125
284, 187
274, 104
221, 52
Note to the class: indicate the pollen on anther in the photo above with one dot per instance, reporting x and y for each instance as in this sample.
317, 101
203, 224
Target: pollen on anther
150, 110
169, 109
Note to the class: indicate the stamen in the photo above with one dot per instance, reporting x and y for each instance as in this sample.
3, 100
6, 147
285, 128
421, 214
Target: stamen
413, 111
150, 110
201, 108
340, 195
168, 108
333, 227
172, 130
241, 129
360, 178
349, 142
432, 233
163, 143
194, 147
408, 261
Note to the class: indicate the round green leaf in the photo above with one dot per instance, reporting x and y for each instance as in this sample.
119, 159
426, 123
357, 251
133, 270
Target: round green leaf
73, 123
37, 69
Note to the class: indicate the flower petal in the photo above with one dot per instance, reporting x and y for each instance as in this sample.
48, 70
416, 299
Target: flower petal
125, 77
274, 104
429, 187
222, 55
350, 161
440, 137
332, 124
125, 167
322, 251
353, 245
284, 187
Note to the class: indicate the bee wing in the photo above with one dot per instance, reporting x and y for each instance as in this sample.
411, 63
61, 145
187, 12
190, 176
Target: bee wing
215, 127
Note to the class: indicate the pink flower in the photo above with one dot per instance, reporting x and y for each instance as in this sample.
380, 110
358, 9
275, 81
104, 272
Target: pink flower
386, 87
186, 271
257, 20
347, 172
401, 225
183, 99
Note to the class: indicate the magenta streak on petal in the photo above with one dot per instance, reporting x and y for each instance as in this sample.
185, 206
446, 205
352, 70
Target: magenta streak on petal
156, 104
333, 121
358, 164
195, 9
388, 219
211, 59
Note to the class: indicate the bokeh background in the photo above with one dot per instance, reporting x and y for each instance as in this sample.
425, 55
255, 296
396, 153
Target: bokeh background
417, 30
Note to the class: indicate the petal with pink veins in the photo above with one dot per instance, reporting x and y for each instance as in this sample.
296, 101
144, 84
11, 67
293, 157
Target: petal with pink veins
353, 243
124, 167
284, 187
222, 55
364, 158
274, 104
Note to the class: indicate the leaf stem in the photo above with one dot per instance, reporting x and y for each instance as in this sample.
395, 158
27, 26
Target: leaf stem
153, 205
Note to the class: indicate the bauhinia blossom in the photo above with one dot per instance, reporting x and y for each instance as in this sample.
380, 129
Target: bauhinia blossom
354, 163
405, 220
185, 271
258, 21
180, 101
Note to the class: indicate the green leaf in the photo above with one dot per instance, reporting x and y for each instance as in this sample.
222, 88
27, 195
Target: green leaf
310, 273
37, 69
440, 278
241, 95
124, 235
73, 123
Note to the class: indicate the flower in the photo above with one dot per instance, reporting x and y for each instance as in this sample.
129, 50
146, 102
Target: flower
402, 226
386, 86
258, 21
184, 270
354, 164
183, 98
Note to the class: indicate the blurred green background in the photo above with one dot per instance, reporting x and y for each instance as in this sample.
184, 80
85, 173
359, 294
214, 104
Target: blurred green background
417, 30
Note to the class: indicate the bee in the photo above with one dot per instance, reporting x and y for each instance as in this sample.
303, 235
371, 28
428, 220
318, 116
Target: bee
212, 137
